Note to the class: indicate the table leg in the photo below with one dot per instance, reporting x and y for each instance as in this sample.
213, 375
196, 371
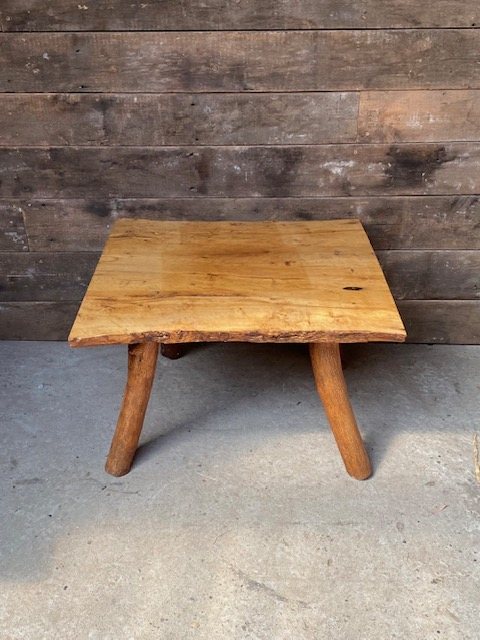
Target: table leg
327, 370
142, 359
172, 351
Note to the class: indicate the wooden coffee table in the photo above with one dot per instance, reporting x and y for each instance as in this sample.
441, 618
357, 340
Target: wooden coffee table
179, 282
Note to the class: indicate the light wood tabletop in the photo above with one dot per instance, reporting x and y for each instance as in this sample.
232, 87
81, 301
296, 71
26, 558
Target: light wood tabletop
174, 282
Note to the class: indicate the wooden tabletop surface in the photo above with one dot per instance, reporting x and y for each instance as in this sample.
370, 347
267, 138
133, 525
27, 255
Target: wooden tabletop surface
237, 281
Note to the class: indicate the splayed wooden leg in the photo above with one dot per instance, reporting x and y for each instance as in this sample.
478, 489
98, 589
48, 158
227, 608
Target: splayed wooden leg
142, 359
172, 351
327, 370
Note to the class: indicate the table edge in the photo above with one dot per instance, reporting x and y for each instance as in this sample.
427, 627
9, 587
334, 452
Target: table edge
240, 336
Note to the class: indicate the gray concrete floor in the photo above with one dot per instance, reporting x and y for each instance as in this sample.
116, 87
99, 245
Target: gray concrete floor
238, 520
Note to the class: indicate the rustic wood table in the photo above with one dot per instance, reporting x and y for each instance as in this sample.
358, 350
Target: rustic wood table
176, 282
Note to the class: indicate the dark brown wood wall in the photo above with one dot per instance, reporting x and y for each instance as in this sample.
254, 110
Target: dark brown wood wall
243, 110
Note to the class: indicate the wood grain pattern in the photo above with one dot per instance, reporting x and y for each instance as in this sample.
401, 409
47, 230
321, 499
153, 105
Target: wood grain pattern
399, 222
238, 119
177, 119
246, 111
113, 15
142, 360
326, 170
331, 387
47, 276
226, 281
432, 321
240, 61
419, 116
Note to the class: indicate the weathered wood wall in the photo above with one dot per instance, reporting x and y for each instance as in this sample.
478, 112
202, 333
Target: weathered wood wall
232, 109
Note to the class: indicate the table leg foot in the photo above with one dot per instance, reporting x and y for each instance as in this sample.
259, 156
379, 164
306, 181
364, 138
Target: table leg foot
331, 387
172, 351
142, 359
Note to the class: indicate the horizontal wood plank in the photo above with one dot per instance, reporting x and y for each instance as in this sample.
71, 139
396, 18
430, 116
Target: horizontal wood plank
419, 116
176, 119
240, 61
274, 171
433, 321
443, 275
422, 222
442, 321
419, 275
238, 119
36, 320
13, 236
31, 15
45, 276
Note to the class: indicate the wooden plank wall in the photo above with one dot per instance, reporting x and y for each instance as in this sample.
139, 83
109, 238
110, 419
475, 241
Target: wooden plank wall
245, 110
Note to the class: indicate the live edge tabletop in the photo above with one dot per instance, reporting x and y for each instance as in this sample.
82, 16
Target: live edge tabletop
237, 281
176, 282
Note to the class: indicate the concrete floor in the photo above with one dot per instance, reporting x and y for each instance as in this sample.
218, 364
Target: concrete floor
238, 520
